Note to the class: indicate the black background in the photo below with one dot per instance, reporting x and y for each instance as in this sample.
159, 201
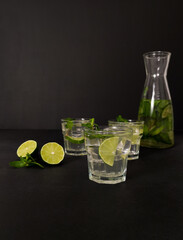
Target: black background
83, 58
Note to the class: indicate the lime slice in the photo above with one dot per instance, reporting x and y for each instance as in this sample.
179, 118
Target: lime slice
77, 140
107, 150
52, 153
156, 130
167, 111
26, 147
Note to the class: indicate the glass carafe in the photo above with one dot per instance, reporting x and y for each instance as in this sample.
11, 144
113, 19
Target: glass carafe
156, 108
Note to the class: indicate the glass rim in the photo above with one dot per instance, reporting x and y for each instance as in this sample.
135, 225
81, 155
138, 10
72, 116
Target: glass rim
133, 121
74, 119
104, 130
154, 54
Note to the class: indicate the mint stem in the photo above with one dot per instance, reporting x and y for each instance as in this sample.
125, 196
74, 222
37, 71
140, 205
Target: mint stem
38, 164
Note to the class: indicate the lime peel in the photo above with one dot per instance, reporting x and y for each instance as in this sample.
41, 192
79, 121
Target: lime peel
76, 140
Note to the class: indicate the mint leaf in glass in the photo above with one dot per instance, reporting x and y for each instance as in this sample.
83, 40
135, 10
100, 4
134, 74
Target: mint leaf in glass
158, 122
119, 118
69, 124
91, 124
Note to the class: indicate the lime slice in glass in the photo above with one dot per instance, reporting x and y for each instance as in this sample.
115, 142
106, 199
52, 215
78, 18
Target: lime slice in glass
156, 131
77, 140
52, 153
26, 147
167, 111
107, 150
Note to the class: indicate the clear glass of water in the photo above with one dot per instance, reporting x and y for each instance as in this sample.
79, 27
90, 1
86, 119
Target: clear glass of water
137, 128
73, 135
107, 152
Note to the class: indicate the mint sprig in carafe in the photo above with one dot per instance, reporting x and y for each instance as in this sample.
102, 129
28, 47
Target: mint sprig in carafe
156, 108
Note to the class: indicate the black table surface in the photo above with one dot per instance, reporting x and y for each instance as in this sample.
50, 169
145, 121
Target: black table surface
60, 202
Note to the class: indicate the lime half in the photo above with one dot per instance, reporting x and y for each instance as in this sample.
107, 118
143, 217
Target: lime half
52, 153
26, 147
77, 140
107, 150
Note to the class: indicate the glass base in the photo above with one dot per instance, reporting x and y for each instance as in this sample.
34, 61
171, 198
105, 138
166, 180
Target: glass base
133, 157
134, 152
74, 153
107, 180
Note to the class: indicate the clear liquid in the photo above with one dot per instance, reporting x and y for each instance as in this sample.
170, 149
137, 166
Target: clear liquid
101, 172
74, 148
134, 151
137, 128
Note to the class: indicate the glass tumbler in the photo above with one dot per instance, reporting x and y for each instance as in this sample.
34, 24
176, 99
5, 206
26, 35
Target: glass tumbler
107, 152
137, 128
73, 135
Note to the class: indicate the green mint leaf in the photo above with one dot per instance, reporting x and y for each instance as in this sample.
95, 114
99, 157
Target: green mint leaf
26, 161
87, 125
91, 124
17, 164
92, 121
69, 123
120, 119
22, 159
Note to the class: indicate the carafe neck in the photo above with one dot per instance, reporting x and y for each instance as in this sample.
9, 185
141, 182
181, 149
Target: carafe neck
156, 63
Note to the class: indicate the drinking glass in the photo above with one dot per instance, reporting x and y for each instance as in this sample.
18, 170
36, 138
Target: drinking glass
107, 152
137, 128
73, 135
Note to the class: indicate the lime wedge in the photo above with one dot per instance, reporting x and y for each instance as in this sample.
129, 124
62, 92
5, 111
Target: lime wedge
77, 140
26, 147
52, 153
107, 150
